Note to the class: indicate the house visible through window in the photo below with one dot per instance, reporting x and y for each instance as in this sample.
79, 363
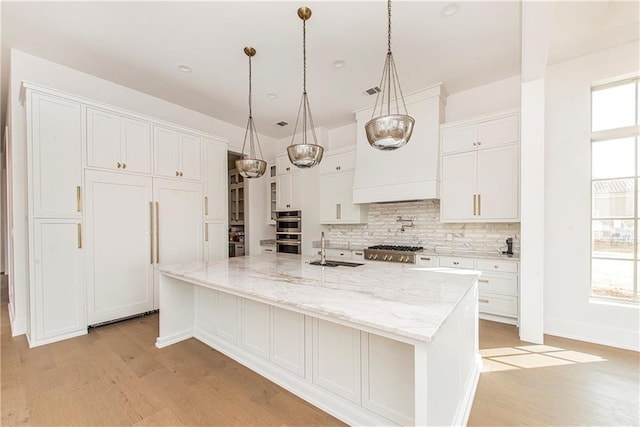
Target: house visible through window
615, 167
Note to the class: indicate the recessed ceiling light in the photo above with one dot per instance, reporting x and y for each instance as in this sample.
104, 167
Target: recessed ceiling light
338, 63
450, 9
272, 95
185, 68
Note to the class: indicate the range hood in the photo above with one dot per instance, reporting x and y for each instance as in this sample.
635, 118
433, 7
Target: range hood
408, 173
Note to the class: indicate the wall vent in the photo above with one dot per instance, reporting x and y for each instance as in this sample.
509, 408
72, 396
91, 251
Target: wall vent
282, 123
372, 91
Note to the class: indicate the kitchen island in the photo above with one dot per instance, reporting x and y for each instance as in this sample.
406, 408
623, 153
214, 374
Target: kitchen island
372, 345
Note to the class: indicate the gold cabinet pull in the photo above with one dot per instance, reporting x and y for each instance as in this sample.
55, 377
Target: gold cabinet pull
150, 232
157, 232
78, 199
484, 300
483, 281
206, 231
475, 198
479, 205
338, 211
79, 235
206, 205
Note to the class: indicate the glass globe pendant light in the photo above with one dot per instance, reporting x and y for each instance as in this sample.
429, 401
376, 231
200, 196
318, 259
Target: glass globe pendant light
389, 131
251, 166
304, 155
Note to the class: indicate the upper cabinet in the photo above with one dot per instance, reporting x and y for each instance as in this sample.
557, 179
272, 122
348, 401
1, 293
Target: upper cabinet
480, 170
177, 154
55, 155
336, 190
288, 185
410, 172
117, 142
215, 202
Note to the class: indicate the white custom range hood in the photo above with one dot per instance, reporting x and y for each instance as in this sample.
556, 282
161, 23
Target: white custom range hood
410, 172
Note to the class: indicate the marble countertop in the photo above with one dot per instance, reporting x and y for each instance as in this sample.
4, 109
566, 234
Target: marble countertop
404, 300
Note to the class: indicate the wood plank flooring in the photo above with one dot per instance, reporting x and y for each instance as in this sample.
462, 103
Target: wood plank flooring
116, 376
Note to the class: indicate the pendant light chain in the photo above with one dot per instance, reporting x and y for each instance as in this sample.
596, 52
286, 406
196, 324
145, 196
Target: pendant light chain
389, 27
249, 165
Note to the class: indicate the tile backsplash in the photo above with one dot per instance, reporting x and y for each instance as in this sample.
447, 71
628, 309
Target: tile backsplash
384, 228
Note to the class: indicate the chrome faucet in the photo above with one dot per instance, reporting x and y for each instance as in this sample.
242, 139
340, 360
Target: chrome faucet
322, 253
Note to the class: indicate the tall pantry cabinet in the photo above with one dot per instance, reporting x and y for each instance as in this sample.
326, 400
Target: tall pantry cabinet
111, 194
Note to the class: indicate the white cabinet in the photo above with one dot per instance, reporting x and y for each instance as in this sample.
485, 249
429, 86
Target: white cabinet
215, 203
177, 154
118, 142
236, 198
336, 190
178, 223
272, 197
255, 328
498, 290
287, 347
119, 243
338, 254
336, 359
288, 185
481, 184
426, 260
54, 131
58, 288
215, 240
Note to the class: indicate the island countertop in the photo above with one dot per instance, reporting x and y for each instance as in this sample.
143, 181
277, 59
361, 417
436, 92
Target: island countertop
404, 300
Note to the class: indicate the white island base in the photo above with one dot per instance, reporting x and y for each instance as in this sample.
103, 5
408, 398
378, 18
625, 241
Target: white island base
359, 374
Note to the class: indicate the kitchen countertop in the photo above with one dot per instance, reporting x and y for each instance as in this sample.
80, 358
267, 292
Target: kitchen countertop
404, 300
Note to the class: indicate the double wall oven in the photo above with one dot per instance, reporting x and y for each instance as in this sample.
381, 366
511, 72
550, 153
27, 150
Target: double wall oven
289, 232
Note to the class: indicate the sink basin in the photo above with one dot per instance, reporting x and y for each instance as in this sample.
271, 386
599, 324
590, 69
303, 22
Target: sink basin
337, 263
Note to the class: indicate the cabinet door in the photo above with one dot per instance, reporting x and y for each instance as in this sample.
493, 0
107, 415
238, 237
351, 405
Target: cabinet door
459, 138
458, 187
498, 132
136, 146
58, 305
283, 195
166, 152
336, 163
190, 157
103, 139
336, 199
216, 181
179, 221
287, 346
55, 160
216, 239
119, 245
284, 166
498, 183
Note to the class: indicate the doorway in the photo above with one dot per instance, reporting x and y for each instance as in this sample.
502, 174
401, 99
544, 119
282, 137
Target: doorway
237, 208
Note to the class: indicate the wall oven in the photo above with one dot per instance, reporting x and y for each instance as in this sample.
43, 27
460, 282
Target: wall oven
289, 232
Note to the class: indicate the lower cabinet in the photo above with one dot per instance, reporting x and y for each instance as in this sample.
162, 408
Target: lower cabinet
255, 328
57, 286
288, 340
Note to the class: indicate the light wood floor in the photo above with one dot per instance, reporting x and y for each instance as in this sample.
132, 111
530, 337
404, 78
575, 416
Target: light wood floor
116, 376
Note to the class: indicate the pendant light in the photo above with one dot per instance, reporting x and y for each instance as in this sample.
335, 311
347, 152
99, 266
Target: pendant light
304, 155
251, 166
389, 131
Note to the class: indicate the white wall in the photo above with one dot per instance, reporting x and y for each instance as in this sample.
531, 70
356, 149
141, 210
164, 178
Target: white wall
342, 137
25, 67
567, 310
496, 96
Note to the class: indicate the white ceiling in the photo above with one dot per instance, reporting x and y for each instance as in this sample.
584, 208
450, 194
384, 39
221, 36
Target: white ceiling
140, 45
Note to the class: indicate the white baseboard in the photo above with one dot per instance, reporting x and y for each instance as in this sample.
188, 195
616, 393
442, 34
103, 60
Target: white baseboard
613, 337
162, 342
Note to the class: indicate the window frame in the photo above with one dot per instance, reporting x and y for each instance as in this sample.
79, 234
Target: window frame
632, 131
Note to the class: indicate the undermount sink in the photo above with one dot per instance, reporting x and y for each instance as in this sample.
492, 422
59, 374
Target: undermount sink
337, 263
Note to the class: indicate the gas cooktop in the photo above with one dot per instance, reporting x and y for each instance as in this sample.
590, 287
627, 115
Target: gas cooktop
392, 253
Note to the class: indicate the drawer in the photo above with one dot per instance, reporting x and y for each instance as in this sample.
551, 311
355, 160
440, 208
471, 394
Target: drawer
357, 255
501, 305
502, 266
454, 262
268, 249
427, 260
499, 283
342, 162
338, 254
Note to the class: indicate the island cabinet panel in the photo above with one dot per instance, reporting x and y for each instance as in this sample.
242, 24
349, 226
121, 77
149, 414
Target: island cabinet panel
205, 316
287, 340
388, 378
255, 328
227, 313
336, 359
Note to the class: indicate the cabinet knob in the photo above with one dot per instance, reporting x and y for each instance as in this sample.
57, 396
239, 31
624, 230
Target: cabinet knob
288, 168
124, 166
337, 168
456, 263
119, 165
479, 143
177, 173
475, 144
180, 173
496, 266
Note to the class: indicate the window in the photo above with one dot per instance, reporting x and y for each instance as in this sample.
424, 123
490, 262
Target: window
615, 169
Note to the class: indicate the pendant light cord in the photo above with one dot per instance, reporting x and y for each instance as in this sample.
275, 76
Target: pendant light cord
304, 56
250, 107
389, 27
